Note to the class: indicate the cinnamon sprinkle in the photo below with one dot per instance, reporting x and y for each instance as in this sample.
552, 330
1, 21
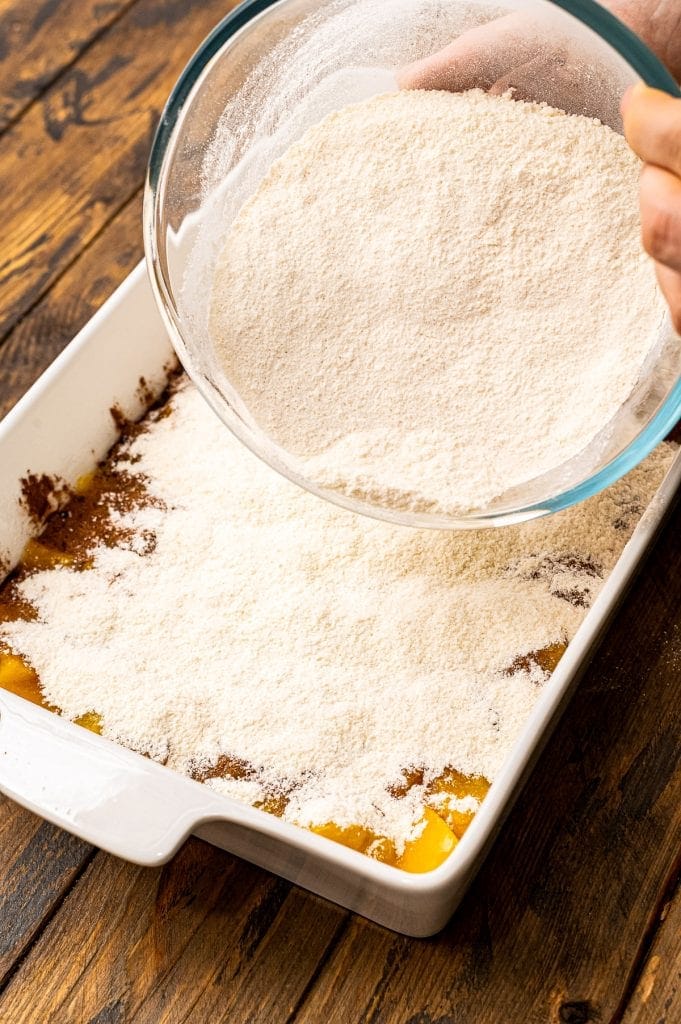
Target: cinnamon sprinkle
41, 495
74, 521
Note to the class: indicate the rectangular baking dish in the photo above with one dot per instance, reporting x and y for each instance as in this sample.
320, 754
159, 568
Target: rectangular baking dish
141, 811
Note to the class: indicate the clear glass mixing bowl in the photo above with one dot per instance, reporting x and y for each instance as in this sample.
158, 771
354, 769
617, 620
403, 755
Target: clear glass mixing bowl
269, 71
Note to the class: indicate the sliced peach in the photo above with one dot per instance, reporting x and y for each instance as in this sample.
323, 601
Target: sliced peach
455, 783
18, 677
382, 849
354, 836
275, 804
457, 820
361, 839
90, 720
431, 848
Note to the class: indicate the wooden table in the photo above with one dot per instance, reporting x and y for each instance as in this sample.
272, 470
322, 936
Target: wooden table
575, 917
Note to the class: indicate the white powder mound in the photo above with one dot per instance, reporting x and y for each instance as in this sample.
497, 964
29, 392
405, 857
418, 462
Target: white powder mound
433, 298
326, 650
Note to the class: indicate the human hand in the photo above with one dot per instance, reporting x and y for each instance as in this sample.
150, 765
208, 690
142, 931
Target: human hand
652, 124
502, 55
493, 54
481, 57
527, 53
658, 23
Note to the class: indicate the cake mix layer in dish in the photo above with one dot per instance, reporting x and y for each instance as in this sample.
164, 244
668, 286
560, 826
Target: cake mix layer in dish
363, 680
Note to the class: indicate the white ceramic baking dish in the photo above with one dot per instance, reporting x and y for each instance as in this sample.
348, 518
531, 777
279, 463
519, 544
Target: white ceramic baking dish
141, 811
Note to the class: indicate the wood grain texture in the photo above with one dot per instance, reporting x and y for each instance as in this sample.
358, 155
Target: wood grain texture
657, 997
38, 863
562, 926
40, 336
207, 938
553, 928
39, 40
79, 153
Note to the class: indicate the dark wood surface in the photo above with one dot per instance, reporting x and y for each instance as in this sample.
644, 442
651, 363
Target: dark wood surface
576, 915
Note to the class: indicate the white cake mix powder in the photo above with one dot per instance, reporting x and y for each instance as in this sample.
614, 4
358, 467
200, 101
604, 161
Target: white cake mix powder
321, 651
433, 298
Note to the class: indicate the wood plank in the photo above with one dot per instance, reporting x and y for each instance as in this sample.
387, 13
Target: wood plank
38, 864
210, 938
79, 154
39, 40
554, 926
657, 997
41, 335
206, 938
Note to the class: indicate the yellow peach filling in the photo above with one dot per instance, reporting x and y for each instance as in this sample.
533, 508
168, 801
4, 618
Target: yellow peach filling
433, 844
431, 847
16, 676
19, 678
38, 556
439, 834
439, 830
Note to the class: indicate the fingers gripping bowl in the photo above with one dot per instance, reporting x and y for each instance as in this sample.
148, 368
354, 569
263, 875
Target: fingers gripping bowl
271, 71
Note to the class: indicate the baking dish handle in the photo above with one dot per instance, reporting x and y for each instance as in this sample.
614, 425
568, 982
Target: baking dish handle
105, 794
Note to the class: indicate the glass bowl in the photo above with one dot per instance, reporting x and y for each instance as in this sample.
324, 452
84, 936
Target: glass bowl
269, 71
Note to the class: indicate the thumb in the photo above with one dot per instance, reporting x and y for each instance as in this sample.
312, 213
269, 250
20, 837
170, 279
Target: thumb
652, 125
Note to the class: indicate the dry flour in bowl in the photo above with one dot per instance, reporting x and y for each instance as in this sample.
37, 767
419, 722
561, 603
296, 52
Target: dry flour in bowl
433, 298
